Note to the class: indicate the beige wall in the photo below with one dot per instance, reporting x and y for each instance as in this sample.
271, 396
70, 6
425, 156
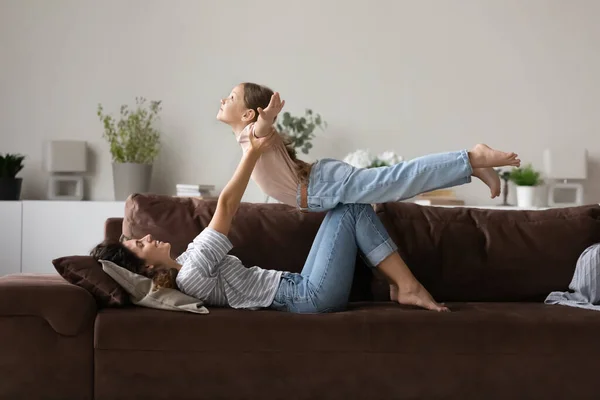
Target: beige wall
411, 76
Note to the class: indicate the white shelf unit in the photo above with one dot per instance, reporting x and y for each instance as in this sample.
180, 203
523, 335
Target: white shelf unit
10, 237
36, 232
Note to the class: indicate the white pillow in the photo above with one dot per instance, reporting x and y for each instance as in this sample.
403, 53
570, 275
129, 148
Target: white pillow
140, 289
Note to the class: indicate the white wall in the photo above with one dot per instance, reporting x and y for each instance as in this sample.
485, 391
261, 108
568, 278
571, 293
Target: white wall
412, 76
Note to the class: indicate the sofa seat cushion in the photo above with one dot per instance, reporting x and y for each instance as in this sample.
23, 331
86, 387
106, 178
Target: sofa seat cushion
471, 328
483, 328
227, 330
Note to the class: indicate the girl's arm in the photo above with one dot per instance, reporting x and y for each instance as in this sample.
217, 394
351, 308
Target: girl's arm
266, 118
231, 196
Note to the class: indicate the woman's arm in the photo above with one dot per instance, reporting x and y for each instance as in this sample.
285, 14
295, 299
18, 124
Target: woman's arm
199, 274
231, 196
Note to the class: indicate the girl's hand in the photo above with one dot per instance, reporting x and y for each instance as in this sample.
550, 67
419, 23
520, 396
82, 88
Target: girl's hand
273, 109
259, 144
266, 117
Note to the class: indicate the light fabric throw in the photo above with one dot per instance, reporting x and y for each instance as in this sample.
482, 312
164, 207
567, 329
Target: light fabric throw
585, 285
142, 293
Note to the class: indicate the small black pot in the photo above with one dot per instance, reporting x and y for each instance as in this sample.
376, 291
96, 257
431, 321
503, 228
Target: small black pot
10, 188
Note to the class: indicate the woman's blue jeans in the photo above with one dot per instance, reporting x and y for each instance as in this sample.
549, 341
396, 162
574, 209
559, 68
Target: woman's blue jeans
326, 279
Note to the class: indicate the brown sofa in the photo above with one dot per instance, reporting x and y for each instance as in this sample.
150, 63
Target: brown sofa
492, 268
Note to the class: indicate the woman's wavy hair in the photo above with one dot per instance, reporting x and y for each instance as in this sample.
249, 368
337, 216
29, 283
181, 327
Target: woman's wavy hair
115, 251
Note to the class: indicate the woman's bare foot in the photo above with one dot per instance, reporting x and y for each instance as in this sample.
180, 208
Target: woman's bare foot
483, 156
490, 178
417, 296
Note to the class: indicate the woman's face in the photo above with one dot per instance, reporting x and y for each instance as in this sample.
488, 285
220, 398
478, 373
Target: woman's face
153, 252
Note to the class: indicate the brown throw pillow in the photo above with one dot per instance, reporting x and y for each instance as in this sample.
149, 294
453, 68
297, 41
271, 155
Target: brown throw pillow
86, 272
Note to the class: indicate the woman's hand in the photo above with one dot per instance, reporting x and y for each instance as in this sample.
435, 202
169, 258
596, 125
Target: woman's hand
231, 196
266, 117
259, 144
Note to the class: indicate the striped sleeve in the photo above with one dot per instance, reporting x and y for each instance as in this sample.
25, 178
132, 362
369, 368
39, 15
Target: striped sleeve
209, 249
210, 246
198, 275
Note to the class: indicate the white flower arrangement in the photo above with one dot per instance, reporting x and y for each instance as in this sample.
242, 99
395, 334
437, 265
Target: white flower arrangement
364, 159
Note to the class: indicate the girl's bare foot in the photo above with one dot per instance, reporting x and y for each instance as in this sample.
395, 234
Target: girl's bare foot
417, 296
483, 156
490, 178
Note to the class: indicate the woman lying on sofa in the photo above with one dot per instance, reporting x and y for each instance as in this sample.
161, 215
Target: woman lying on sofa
205, 270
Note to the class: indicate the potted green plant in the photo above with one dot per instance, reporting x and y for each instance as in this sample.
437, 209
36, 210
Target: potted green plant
300, 130
134, 145
527, 179
10, 185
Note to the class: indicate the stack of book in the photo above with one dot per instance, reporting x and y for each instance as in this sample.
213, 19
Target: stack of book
442, 197
201, 191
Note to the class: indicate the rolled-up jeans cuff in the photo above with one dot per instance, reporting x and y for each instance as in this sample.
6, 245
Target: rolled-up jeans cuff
464, 154
381, 252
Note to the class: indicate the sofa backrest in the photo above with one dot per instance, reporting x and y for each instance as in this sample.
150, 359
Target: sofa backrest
466, 254
271, 236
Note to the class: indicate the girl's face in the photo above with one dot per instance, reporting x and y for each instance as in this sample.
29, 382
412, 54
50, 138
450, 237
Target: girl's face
233, 110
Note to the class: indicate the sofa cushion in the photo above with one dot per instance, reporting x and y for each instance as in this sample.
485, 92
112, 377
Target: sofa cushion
168, 219
372, 351
228, 330
466, 254
511, 328
271, 236
86, 272
471, 328
144, 293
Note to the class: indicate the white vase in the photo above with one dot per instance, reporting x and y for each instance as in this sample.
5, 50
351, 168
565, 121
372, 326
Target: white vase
526, 196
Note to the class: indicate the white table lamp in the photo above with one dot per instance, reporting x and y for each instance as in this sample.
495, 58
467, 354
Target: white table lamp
66, 160
565, 163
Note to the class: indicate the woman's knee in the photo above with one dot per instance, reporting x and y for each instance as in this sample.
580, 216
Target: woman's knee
590, 256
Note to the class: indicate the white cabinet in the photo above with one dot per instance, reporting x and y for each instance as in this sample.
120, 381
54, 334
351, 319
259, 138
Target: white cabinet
52, 229
10, 237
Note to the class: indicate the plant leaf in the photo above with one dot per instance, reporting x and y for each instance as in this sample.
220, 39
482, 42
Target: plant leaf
133, 138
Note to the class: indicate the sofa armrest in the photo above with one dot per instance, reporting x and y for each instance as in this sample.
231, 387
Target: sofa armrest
46, 338
68, 309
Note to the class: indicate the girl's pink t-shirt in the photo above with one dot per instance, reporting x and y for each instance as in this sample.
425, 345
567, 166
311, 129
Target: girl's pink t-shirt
275, 171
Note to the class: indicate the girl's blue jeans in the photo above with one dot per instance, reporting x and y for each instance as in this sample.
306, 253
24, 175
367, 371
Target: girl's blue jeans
333, 182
